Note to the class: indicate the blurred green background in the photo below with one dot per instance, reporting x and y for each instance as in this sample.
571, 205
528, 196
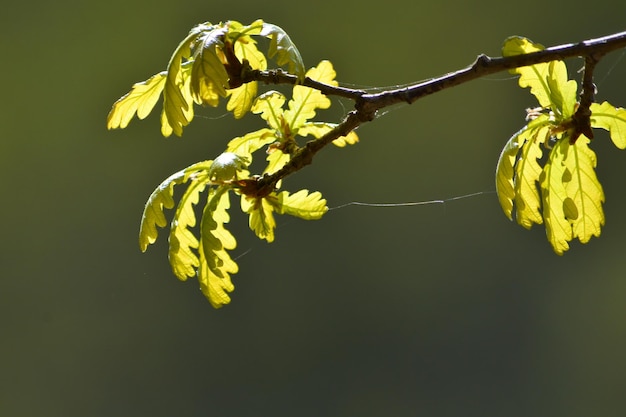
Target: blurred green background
441, 310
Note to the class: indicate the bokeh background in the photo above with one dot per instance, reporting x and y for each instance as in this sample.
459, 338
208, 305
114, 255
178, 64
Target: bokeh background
439, 310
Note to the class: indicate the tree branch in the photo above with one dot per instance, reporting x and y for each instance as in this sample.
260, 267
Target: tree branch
367, 105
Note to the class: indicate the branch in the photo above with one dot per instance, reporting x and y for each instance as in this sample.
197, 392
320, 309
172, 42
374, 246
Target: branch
367, 105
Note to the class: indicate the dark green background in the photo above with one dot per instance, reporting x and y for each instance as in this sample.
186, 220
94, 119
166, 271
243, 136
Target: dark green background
442, 310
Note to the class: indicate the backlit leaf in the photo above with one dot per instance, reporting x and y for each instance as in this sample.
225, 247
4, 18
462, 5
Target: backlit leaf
153, 216
506, 180
533, 76
182, 243
269, 106
275, 161
242, 97
209, 78
248, 144
548, 82
584, 191
562, 91
301, 204
141, 99
306, 100
261, 217
177, 104
610, 118
555, 199
216, 264
283, 49
527, 173
319, 129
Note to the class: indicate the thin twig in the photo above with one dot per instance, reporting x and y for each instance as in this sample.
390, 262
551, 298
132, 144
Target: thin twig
367, 105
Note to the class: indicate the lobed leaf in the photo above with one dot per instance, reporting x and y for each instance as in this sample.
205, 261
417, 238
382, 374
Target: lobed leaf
182, 242
242, 97
306, 100
573, 195
584, 191
269, 106
301, 204
555, 199
261, 217
216, 264
177, 105
246, 145
209, 78
527, 173
285, 51
163, 197
610, 118
153, 216
506, 175
533, 76
548, 82
319, 129
141, 99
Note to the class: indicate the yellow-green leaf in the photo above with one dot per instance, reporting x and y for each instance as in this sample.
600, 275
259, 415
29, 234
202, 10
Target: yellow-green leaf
177, 104
237, 31
209, 78
548, 82
261, 220
153, 216
251, 142
584, 191
562, 92
283, 49
533, 76
242, 97
527, 173
216, 264
306, 100
555, 199
505, 174
301, 204
319, 129
276, 159
269, 106
163, 197
610, 118
141, 99
182, 242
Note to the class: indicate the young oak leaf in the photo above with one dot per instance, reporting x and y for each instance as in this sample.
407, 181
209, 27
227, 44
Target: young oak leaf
608, 117
548, 82
527, 173
319, 129
141, 99
516, 182
556, 203
242, 97
163, 198
261, 217
209, 78
301, 204
216, 265
153, 216
285, 51
584, 190
183, 244
573, 195
306, 100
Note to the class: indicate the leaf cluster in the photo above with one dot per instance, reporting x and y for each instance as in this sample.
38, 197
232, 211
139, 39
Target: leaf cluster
546, 171
209, 64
